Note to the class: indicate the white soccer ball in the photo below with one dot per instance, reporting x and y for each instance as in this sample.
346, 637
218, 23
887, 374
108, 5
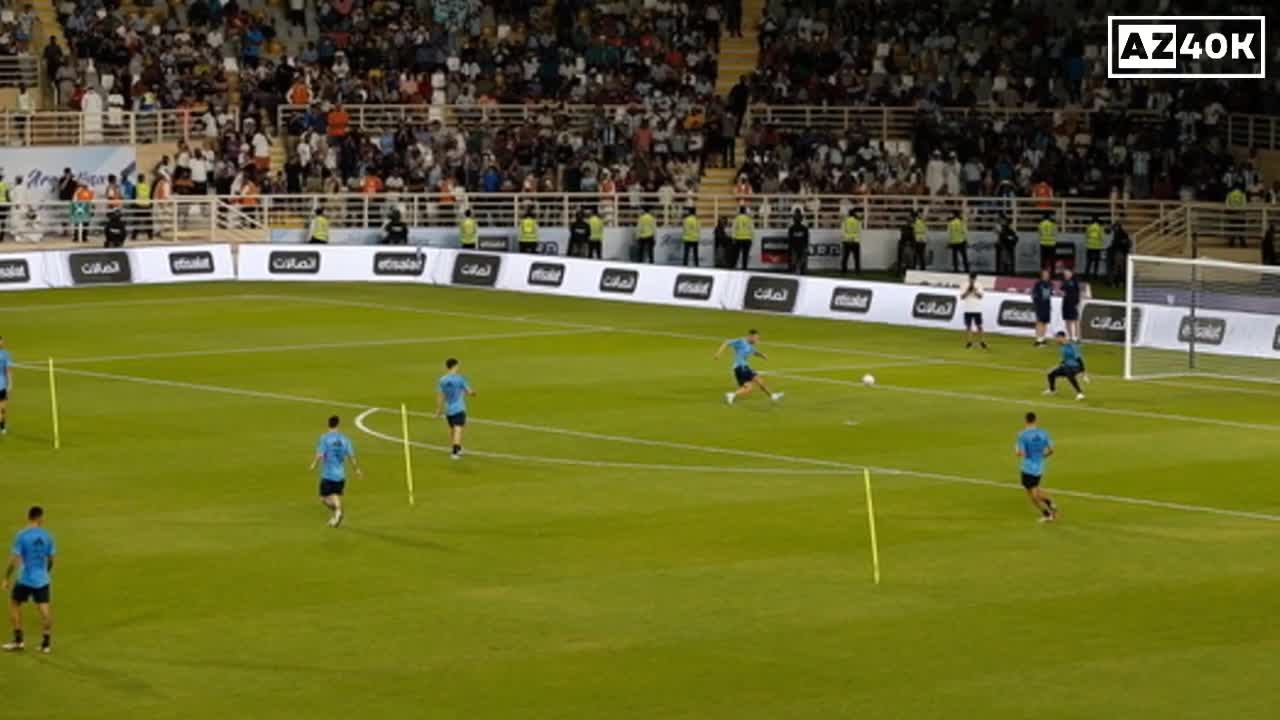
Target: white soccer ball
868, 379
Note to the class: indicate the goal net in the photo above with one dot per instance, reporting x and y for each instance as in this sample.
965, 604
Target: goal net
1202, 317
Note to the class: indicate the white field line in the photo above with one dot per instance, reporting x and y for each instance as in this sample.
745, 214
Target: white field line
786, 459
870, 366
120, 303
321, 346
1074, 407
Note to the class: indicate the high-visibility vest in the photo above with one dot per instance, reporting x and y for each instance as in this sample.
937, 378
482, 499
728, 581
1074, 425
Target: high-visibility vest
956, 231
1048, 233
1093, 237
320, 228
1236, 199
597, 228
920, 230
852, 230
692, 229
467, 232
646, 226
743, 228
4, 192
142, 194
528, 231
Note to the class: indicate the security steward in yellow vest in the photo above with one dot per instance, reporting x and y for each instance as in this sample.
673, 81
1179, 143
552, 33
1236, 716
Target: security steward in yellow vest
690, 236
958, 241
595, 243
142, 209
744, 232
1048, 243
1236, 200
468, 232
318, 231
1094, 243
646, 235
920, 240
851, 242
528, 233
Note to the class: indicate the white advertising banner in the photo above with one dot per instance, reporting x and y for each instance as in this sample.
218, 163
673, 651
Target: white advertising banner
1214, 332
345, 263
23, 271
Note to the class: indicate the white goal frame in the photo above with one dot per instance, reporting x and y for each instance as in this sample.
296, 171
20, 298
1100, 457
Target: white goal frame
1252, 345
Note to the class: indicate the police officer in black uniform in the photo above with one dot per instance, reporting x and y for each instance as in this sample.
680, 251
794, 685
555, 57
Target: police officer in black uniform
1006, 247
579, 235
395, 232
114, 230
798, 244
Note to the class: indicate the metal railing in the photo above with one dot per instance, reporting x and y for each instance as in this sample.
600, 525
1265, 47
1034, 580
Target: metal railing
122, 127
1254, 131
206, 217
18, 70
385, 118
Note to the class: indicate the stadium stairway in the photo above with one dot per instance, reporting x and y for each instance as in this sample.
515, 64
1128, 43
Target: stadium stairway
47, 12
739, 56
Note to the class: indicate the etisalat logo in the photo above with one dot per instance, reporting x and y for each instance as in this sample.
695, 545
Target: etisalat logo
191, 263
614, 280
14, 271
294, 263
546, 274
480, 270
100, 267
769, 293
402, 264
933, 307
1187, 46
693, 287
1205, 330
851, 300
1016, 314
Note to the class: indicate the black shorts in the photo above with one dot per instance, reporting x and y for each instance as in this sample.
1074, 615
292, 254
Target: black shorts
23, 593
1030, 481
1070, 312
331, 487
1044, 313
4, 394
743, 375
973, 320
456, 419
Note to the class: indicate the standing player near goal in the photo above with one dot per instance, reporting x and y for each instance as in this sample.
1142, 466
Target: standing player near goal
1072, 364
971, 298
743, 349
1034, 445
334, 450
33, 549
452, 399
6, 386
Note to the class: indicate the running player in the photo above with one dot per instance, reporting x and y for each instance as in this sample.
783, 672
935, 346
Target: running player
743, 348
452, 399
333, 452
6, 386
32, 549
1072, 364
1034, 445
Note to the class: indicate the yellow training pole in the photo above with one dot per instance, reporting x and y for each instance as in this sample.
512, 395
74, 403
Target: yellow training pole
53, 400
408, 453
871, 521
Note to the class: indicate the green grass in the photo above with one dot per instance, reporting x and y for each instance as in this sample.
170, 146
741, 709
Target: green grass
197, 579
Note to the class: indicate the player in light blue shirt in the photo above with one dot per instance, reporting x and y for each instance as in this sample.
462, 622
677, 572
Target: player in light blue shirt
451, 400
333, 452
744, 348
1034, 446
6, 386
1070, 365
33, 550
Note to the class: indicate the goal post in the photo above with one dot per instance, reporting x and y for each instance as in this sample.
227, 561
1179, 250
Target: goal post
1201, 317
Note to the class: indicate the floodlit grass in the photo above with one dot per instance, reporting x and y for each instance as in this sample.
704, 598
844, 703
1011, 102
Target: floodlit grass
665, 555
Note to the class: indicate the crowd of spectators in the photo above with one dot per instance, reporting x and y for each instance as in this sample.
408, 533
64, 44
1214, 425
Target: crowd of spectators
18, 30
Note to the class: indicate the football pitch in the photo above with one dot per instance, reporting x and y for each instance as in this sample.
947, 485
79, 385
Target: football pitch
620, 543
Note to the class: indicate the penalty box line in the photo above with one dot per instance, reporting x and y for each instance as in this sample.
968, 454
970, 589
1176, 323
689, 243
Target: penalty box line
755, 455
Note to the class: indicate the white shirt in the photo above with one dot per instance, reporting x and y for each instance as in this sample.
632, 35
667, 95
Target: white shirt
972, 302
